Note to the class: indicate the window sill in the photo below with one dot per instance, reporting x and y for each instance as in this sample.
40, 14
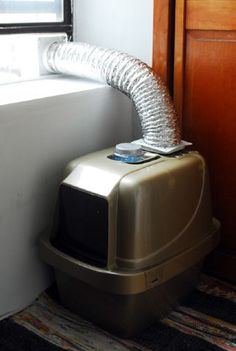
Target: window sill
48, 86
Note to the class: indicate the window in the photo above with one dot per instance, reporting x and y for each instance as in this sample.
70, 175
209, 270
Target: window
26, 28
22, 55
30, 16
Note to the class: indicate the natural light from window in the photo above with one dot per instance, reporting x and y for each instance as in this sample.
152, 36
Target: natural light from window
21, 55
31, 11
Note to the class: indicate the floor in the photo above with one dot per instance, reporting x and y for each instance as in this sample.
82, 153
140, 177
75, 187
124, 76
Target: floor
205, 321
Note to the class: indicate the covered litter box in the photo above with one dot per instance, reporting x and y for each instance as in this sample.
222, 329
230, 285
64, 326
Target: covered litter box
129, 239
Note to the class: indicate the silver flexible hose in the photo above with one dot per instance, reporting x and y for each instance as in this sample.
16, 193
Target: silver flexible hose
160, 125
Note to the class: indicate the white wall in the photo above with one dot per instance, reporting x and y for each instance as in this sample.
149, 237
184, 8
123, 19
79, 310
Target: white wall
125, 25
37, 139
38, 136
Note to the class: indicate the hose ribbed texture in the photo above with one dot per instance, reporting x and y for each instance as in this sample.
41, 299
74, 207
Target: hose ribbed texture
160, 125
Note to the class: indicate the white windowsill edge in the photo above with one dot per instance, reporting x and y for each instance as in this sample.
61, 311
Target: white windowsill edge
48, 86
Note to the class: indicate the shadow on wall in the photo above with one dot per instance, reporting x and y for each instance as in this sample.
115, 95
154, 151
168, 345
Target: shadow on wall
38, 138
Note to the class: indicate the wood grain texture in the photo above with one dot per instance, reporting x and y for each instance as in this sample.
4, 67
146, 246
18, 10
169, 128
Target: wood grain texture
211, 14
179, 56
161, 39
222, 265
209, 117
205, 95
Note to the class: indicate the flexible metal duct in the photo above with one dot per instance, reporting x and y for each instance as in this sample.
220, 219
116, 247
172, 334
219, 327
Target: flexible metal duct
160, 125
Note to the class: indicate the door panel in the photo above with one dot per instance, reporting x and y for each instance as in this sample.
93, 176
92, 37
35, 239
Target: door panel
211, 14
205, 95
210, 117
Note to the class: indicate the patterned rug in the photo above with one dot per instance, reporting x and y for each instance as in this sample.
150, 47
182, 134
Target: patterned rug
206, 321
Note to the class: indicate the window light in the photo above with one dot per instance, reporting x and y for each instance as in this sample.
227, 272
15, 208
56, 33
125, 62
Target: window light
31, 11
21, 55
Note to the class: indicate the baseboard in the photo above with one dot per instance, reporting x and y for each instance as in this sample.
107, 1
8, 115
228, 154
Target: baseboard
221, 265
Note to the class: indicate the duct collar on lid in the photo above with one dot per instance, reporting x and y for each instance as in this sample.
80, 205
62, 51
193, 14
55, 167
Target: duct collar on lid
162, 150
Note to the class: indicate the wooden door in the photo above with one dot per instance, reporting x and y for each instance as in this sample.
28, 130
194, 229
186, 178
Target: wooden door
163, 40
205, 96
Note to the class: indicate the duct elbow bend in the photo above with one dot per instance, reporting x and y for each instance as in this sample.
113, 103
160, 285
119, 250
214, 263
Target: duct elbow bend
159, 122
